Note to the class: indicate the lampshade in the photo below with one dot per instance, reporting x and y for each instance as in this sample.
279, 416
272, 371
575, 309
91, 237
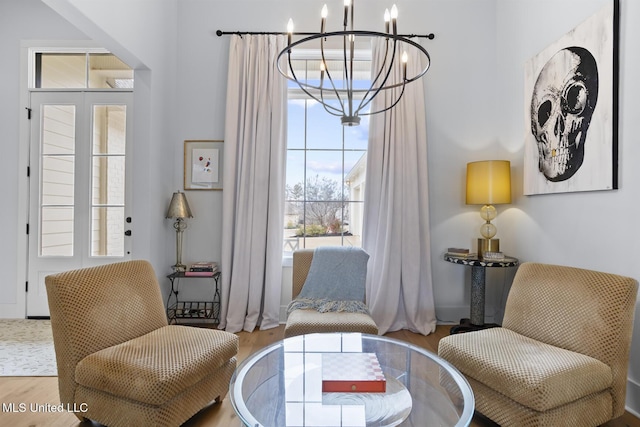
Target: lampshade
179, 207
489, 182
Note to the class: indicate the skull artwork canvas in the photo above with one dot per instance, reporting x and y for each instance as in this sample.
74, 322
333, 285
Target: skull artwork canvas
570, 111
562, 104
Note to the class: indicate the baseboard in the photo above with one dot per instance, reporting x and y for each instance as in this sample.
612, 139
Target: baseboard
633, 398
452, 315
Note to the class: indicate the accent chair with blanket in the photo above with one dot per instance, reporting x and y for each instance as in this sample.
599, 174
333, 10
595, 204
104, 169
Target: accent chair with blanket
328, 290
119, 359
561, 355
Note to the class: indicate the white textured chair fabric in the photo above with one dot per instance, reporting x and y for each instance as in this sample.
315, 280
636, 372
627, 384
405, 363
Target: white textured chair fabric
562, 354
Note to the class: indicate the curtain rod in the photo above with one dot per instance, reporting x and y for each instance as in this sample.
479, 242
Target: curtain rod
221, 33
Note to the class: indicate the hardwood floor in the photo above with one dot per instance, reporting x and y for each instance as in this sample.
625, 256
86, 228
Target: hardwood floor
44, 390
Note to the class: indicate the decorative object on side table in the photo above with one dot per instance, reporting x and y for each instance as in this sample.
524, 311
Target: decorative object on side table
179, 209
478, 274
461, 253
203, 269
488, 184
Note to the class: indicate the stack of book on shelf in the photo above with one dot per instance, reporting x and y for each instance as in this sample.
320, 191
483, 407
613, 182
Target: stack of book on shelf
202, 269
460, 253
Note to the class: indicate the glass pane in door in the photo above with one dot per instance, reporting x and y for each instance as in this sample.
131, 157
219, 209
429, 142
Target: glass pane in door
57, 170
108, 180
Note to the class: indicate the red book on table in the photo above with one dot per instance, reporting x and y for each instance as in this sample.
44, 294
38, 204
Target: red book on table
352, 373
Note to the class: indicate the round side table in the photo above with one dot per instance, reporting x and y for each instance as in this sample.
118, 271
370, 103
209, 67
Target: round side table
478, 273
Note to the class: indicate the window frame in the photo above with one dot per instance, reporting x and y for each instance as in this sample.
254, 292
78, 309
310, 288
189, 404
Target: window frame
295, 93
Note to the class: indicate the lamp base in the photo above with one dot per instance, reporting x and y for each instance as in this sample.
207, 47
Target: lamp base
488, 245
179, 268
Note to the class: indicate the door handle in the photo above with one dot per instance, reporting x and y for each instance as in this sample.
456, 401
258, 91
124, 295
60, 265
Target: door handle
127, 233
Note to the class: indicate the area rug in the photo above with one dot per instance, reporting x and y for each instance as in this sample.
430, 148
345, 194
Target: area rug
26, 348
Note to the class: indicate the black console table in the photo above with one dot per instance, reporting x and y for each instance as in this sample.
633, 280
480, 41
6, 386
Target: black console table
478, 273
193, 309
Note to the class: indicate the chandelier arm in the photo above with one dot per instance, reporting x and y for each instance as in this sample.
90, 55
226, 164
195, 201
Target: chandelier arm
357, 33
352, 118
345, 67
221, 33
338, 112
375, 80
390, 106
377, 90
351, 53
330, 81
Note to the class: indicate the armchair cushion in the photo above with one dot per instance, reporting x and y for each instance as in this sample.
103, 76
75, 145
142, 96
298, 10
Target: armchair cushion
157, 366
309, 321
534, 374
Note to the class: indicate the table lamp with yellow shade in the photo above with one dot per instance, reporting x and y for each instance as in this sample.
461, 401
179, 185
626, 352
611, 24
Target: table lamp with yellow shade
488, 184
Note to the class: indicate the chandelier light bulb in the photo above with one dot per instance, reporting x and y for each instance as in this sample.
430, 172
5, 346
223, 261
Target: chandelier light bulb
404, 59
289, 31
387, 19
394, 19
323, 16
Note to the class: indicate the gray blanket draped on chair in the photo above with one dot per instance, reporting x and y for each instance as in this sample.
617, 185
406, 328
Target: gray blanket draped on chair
336, 281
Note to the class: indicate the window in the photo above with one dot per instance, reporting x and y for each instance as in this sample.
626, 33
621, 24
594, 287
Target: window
79, 70
326, 167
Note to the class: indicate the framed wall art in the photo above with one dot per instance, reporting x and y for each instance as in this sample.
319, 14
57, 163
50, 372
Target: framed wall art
203, 164
571, 110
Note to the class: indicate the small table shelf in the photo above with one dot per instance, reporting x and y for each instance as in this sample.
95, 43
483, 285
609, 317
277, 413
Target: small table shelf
478, 272
193, 309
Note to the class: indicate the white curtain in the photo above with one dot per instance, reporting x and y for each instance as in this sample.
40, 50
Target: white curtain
396, 209
254, 180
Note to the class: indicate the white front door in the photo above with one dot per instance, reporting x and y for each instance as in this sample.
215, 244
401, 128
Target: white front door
79, 187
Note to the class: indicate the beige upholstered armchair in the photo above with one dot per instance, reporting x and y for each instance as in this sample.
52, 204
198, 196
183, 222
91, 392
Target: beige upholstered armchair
308, 320
562, 354
119, 361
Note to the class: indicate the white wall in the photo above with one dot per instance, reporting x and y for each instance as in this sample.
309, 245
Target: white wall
595, 230
19, 20
144, 34
474, 111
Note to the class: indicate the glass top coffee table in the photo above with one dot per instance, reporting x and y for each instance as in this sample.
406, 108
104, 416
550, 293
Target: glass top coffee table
281, 385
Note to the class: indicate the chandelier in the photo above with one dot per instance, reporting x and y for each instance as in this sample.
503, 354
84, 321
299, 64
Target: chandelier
352, 101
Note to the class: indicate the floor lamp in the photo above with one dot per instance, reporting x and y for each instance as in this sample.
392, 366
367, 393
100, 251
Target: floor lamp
179, 209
